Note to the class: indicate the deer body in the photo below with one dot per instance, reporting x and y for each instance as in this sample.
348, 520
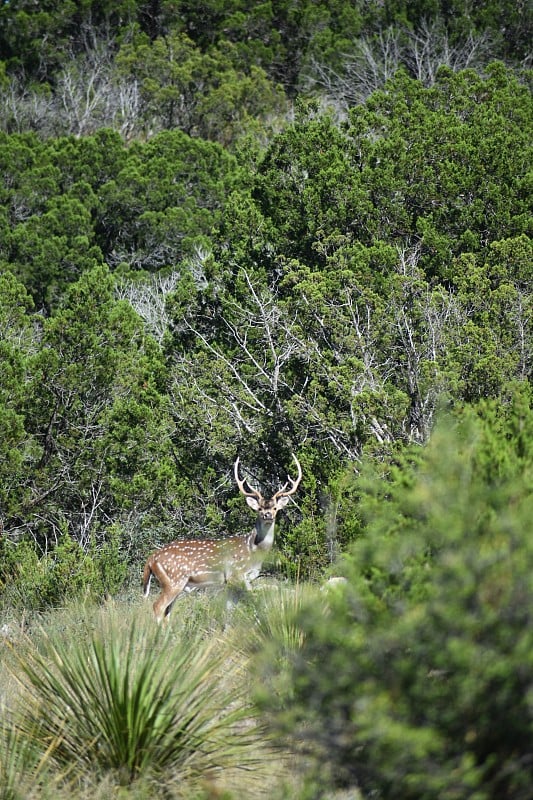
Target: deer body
186, 565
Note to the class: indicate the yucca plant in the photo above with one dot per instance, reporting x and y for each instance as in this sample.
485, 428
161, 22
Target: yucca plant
132, 699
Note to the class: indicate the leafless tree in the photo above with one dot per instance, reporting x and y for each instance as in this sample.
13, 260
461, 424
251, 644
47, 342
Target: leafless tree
368, 65
89, 93
247, 387
423, 318
372, 61
149, 297
522, 316
429, 47
23, 108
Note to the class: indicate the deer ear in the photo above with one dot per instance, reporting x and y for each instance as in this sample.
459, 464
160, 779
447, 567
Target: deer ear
252, 502
281, 502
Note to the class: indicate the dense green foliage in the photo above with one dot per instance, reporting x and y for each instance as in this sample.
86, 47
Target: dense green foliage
319, 296
255, 229
216, 69
416, 682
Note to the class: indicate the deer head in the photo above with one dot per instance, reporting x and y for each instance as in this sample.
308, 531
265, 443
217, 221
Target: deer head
267, 509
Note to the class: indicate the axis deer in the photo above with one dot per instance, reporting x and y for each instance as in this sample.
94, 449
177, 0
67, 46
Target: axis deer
189, 564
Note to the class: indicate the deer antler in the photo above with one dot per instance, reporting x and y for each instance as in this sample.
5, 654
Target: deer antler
252, 492
284, 492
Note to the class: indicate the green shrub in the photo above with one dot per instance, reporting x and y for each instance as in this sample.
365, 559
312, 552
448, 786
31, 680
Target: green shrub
68, 572
414, 681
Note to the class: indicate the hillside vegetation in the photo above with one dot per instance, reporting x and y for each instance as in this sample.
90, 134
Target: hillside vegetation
251, 229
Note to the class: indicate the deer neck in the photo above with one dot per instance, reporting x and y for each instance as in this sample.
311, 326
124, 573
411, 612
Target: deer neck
264, 533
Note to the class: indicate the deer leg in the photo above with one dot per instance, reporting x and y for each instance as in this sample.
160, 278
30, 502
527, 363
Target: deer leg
164, 602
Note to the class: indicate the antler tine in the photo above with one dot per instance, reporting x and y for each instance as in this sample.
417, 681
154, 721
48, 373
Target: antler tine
240, 483
284, 492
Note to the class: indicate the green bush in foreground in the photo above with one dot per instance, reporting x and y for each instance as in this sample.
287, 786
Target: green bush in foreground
416, 682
